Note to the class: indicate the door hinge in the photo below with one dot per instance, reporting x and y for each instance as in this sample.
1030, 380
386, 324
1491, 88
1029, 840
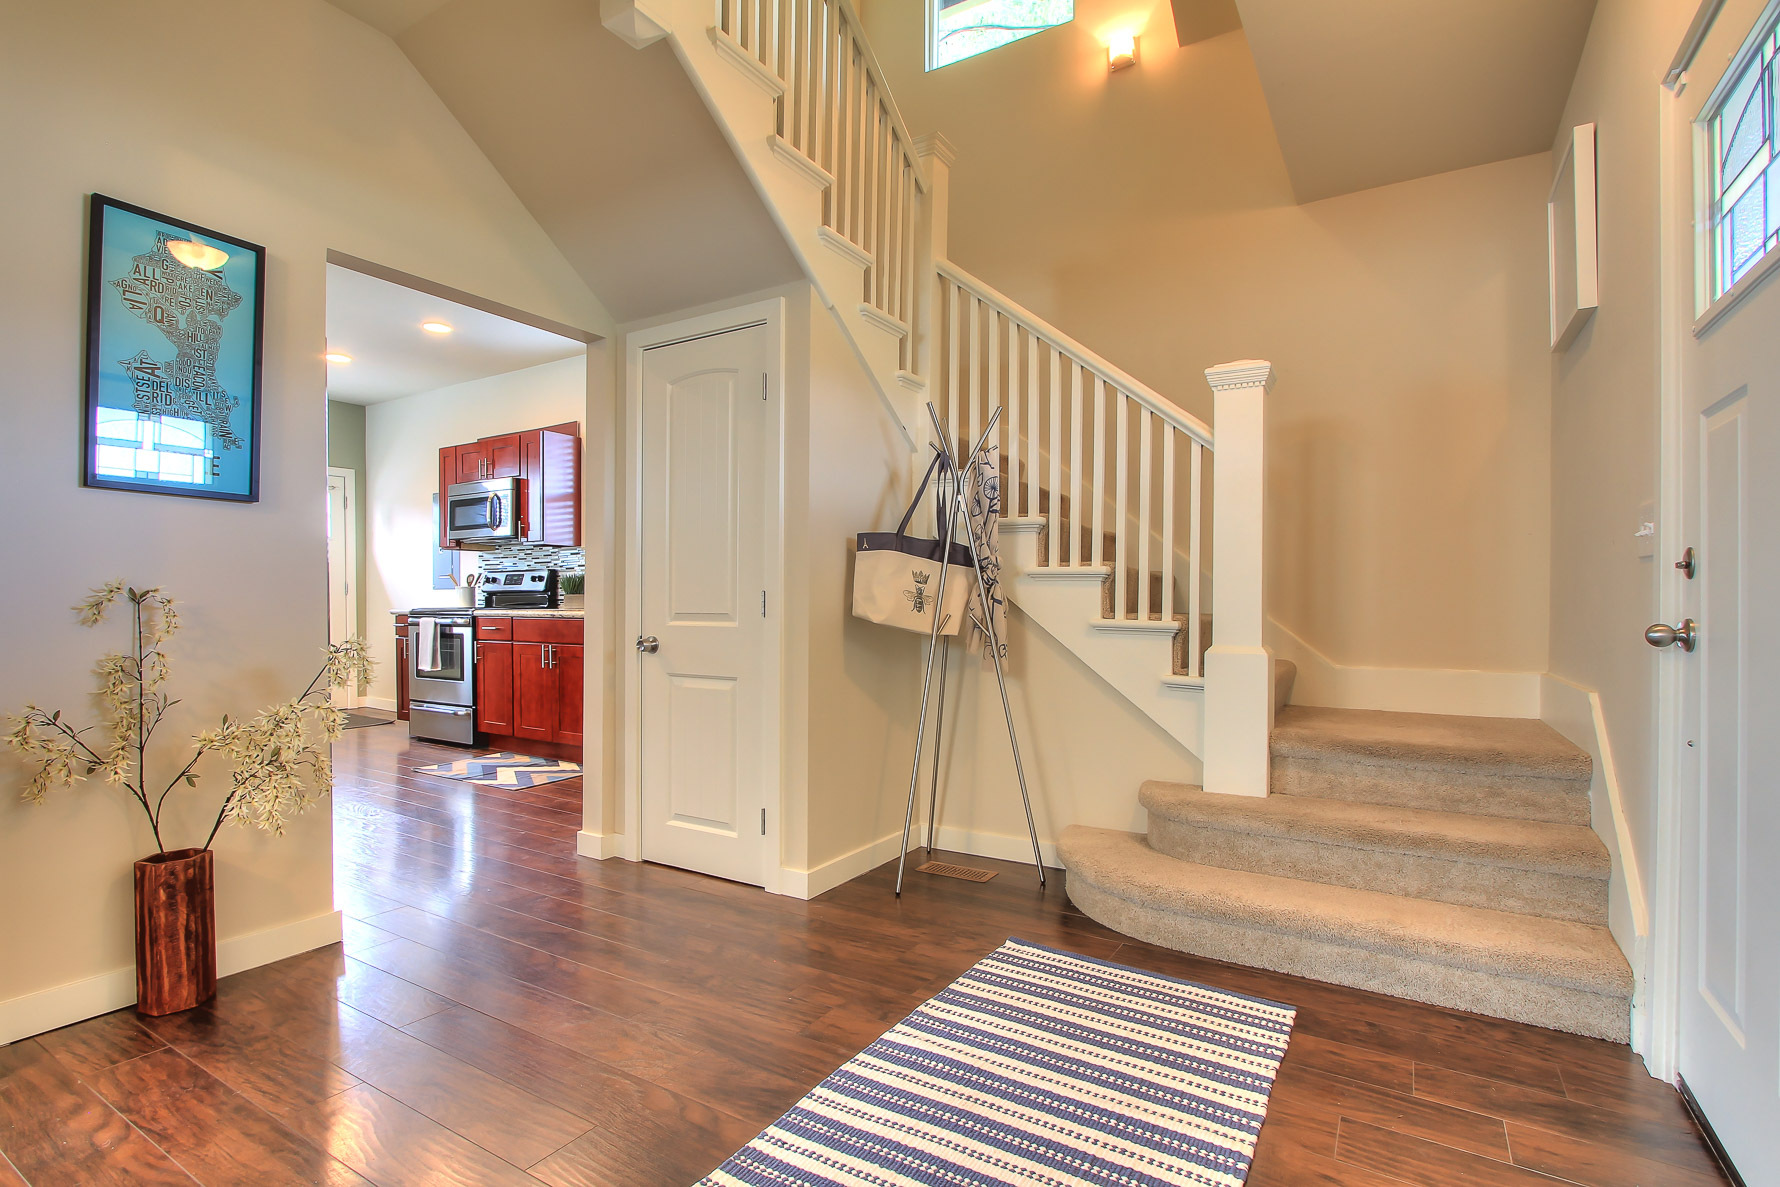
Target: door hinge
763, 603
763, 385
763, 822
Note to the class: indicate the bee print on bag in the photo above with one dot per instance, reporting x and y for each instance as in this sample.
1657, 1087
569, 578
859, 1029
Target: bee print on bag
918, 595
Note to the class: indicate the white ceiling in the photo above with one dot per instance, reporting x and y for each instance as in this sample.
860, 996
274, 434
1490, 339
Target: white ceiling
378, 324
1366, 93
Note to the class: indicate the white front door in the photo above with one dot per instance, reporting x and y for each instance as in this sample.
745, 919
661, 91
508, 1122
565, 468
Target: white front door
703, 566
1728, 776
342, 568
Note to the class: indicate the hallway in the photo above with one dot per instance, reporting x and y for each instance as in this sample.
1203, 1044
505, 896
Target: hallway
507, 1012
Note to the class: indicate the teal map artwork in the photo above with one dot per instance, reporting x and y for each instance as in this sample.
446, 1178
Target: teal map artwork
186, 306
172, 396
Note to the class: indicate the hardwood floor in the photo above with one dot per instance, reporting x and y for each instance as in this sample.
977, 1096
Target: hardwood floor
503, 1011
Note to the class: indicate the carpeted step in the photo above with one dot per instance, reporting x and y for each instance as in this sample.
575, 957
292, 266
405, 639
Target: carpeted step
1548, 972
1529, 867
1485, 766
1285, 674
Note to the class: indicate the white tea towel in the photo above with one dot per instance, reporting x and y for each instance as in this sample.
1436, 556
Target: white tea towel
426, 645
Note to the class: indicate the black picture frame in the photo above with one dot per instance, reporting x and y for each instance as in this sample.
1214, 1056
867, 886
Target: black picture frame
109, 331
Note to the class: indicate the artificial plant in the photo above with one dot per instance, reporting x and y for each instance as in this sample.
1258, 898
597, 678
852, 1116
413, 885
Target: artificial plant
279, 760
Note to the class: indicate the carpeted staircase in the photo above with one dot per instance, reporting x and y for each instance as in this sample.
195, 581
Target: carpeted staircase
1444, 859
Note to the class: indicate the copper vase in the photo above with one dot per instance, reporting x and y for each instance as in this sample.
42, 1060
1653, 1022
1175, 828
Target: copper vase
175, 931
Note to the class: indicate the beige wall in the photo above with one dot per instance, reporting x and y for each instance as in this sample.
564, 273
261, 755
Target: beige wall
863, 679
402, 442
1605, 398
1149, 215
309, 133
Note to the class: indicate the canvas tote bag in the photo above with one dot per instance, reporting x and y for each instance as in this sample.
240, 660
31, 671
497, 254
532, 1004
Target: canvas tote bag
896, 576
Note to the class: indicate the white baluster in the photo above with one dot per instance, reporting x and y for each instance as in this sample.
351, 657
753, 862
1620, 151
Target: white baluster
954, 330
1032, 417
1010, 490
1168, 435
968, 437
1055, 556
1195, 522
1145, 604
1097, 550
1075, 463
1121, 531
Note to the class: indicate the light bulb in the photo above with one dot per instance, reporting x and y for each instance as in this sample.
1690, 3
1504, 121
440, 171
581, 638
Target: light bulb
334, 356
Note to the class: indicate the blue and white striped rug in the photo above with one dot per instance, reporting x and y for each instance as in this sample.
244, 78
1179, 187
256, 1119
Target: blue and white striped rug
1039, 1066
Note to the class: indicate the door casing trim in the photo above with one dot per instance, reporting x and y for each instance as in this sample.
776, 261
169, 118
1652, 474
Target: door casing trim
769, 313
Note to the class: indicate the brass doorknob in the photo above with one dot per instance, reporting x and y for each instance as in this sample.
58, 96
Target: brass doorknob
1663, 635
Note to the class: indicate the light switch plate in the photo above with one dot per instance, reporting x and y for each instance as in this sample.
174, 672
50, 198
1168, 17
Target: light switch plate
1645, 536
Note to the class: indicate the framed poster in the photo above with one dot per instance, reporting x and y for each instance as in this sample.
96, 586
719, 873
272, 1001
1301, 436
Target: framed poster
175, 341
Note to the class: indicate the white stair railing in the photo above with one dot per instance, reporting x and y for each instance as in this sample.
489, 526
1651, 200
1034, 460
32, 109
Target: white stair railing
1118, 473
835, 112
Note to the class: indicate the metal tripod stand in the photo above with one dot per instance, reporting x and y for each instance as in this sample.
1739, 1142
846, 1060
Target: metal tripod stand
949, 469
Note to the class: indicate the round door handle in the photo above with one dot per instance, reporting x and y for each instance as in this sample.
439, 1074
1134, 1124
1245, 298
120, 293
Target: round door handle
648, 644
1663, 635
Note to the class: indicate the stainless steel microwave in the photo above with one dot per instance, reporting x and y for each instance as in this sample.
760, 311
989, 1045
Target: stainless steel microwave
483, 514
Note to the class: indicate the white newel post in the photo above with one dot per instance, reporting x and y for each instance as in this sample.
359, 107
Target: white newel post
936, 155
1238, 667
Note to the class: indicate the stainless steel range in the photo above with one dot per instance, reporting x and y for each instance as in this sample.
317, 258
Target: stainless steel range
442, 674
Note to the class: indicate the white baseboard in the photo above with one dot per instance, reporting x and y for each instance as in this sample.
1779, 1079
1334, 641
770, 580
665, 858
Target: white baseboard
1322, 681
599, 845
1575, 712
807, 884
387, 704
63, 1005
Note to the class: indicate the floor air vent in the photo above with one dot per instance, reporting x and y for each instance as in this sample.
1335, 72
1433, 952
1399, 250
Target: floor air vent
948, 870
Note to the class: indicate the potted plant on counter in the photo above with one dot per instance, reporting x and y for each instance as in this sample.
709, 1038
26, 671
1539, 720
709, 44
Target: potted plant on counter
574, 590
279, 766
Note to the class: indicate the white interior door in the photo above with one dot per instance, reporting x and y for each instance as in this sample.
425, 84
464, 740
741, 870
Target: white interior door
703, 563
342, 567
1729, 773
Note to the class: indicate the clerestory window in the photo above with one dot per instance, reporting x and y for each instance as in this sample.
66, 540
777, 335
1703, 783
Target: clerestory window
958, 29
1745, 214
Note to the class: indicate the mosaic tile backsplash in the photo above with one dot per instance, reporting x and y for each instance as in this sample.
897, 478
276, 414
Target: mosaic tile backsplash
532, 556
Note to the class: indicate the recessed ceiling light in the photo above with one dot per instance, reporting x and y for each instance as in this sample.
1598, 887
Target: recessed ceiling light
334, 356
436, 327
193, 254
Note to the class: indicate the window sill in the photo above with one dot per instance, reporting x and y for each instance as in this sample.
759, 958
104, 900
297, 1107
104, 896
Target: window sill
1734, 295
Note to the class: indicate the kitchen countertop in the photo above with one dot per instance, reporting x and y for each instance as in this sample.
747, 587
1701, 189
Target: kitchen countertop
500, 612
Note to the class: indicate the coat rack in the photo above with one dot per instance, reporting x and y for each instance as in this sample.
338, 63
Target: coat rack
949, 469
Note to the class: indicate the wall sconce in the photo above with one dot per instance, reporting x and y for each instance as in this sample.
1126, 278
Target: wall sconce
1121, 51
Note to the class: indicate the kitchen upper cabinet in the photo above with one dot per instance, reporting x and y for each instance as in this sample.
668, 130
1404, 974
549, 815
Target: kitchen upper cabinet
504, 456
548, 461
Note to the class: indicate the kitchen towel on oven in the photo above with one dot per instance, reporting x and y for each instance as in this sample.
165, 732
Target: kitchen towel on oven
426, 644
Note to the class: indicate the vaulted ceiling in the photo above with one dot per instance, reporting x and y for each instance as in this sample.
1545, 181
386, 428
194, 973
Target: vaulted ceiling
1365, 93
609, 147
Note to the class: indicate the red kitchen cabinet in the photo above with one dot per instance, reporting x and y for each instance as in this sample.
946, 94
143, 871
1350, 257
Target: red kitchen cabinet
494, 685
570, 676
401, 667
548, 463
534, 692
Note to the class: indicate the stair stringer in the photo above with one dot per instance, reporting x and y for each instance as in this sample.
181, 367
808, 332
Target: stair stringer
740, 96
1135, 659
